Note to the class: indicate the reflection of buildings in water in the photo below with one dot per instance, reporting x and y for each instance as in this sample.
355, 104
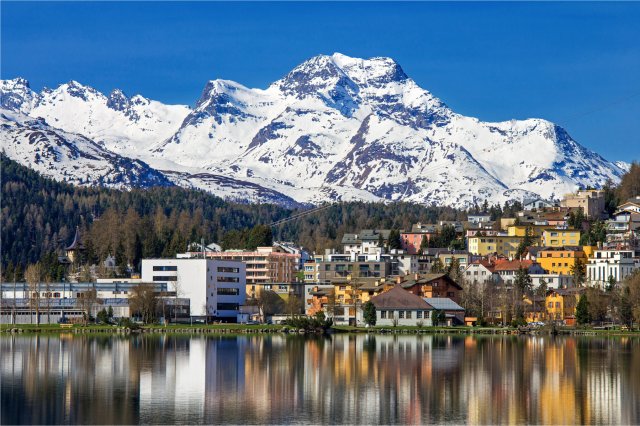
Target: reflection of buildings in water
76, 380
172, 379
343, 378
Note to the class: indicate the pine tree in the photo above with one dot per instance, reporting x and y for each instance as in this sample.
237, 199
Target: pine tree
369, 313
582, 311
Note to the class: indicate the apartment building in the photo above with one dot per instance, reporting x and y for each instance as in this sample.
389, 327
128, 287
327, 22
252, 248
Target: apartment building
265, 265
504, 245
560, 260
618, 264
216, 288
560, 237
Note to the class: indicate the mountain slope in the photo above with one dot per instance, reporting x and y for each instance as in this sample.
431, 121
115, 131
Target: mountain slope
71, 157
334, 128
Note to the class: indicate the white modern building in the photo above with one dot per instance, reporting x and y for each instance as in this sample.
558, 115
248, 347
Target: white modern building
216, 288
553, 281
618, 264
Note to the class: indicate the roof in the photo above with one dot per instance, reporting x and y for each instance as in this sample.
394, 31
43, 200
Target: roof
512, 265
398, 298
443, 303
77, 243
409, 281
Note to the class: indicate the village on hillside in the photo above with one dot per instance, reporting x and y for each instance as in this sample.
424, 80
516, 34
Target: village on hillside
548, 264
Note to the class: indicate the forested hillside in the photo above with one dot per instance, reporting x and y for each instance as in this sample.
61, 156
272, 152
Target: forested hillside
39, 217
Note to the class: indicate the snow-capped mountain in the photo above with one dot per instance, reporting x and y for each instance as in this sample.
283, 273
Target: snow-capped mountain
71, 157
334, 128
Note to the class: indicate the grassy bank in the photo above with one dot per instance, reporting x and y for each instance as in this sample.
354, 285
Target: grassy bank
268, 328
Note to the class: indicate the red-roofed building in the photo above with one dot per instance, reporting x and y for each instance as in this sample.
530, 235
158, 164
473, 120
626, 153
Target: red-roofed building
507, 269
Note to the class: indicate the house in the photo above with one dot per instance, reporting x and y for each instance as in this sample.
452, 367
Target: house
366, 241
431, 285
481, 272
448, 256
560, 304
560, 260
454, 313
591, 201
529, 204
534, 308
507, 269
400, 307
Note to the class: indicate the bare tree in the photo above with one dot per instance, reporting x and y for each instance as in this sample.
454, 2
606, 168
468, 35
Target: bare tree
33, 275
87, 300
143, 301
293, 305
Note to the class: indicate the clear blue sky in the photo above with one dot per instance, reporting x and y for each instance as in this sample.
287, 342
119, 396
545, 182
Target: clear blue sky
577, 64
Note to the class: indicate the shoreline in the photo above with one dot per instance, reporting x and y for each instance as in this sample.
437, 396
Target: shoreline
13, 329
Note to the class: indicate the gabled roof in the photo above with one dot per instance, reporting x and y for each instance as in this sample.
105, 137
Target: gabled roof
398, 298
512, 265
443, 303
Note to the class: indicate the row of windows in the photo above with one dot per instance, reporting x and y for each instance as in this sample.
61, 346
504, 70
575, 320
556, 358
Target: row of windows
228, 279
165, 268
165, 278
228, 269
224, 291
404, 314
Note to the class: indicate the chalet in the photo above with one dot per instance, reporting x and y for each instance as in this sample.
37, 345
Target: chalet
431, 285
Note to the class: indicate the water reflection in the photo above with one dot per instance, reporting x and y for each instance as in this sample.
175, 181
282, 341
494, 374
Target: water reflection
341, 379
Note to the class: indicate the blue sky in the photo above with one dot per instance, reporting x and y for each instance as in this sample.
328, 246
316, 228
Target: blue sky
577, 64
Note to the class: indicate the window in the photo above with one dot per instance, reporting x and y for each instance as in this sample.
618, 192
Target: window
408, 314
557, 305
343, 287
383, 314
228, 269
224, 291
228, 279
165, 278
227, 306
401, 314
419, 314
164, 268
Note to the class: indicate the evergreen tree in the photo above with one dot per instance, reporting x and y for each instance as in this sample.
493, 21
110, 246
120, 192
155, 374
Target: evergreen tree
394, 240
578, 271
369, 313
582, 311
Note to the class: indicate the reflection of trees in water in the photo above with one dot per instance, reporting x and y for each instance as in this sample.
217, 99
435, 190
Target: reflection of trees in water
341, 378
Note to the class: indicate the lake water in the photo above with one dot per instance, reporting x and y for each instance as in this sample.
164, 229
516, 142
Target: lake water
338, 379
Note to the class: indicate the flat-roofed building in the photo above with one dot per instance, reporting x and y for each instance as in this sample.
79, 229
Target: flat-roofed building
216, 288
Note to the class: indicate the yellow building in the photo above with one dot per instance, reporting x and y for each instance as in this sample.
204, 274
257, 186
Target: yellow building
559, 260
561, 303
560, 237
589, 251
502, 244
521, 230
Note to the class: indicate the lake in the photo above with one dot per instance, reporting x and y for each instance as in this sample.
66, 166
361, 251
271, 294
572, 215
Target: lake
344, 378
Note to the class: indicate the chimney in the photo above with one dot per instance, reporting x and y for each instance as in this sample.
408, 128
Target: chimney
416, 276
398, 279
